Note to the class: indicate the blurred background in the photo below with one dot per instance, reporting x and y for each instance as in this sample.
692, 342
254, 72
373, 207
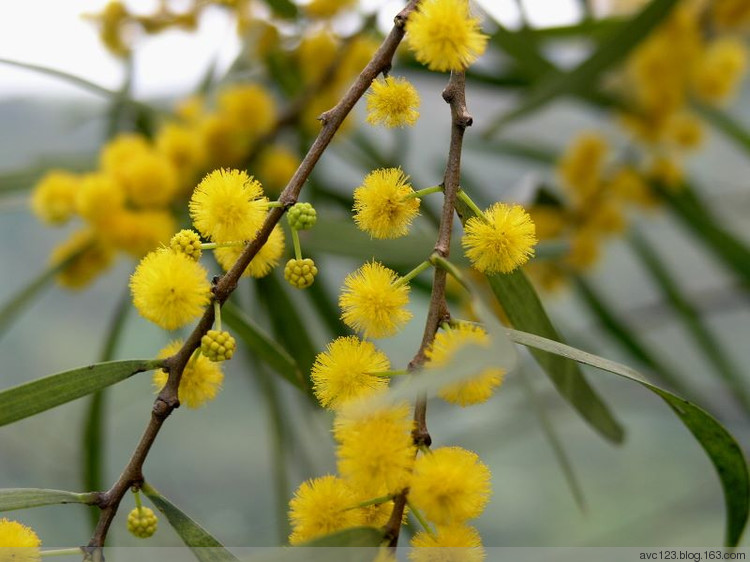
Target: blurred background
221, 463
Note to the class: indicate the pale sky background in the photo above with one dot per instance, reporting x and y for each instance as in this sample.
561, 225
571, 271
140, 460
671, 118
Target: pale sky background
53, 34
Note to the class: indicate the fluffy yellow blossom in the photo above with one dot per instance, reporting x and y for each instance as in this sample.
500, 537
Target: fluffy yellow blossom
98, 197
357, 55
376, 450
394, 102
170, 289
475, 390
183, 147
720, 70
605, 216
327, 8
373, 303
86, 256
315, 54
201, 380
18, 543
582, 164
191, 109
120, 150
461, 543
731, 14
500, 241
667, 171
382, 204
249, 107
631, 187
54, 197
450, 485
320, 507
549, 221
585, 249
346, 370
444, 35
225, 144
264, 261
149, 179
228, 206
138, 232
276, 166
684, 130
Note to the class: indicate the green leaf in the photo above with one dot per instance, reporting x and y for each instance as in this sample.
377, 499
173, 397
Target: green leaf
358, 544
694, 214
262, 345
521, 304
717, 442
727, 124
283, 8
205, 547
625, 337
23, 498
585, 76
42, 394
287, 322
701, 334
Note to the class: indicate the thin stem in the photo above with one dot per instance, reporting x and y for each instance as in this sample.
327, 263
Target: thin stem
419, 517
426, 191
297, 246
413, 273
463, 196
217, 315
138, 503
373, 501
450, 268
275, 204
75, 551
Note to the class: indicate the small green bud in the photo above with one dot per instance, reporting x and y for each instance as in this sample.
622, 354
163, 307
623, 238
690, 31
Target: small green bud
142, 522
300, 273
302, 216
186, 242
218, 346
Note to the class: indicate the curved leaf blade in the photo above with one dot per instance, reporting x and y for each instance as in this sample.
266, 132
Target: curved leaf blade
23, 498
263, 346
720, 446
205, 547
521, 304
42, 394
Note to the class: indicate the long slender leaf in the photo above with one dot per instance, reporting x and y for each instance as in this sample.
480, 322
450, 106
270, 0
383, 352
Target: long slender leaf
584, 77
263, 347
23, 498
706, 341
520, 302
717, 442
726, 124
693, 214
42, 394
625, 337
205, 547
554, 440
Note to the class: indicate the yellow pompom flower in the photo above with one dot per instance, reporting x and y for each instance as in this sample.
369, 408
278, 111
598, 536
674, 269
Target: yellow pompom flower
316, 52
549, 221
585, 249
346, 370
264, 261
21, 542
54, 198
382, 204
320, 507
87, 257
99, 197
581, 165
450, 485
201, 380
720, 70
500, 241
120, 150
138, 232
225, 144
327, 8
373, 303
170, 289
630, 186
249, 107
376, 449
475, 390
183, 147
149, 179
731, 14
392, 102
276, 166
462, 541
228, 206
444, 36
684, 130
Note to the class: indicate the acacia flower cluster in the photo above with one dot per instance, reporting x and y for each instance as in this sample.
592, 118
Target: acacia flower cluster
18, 543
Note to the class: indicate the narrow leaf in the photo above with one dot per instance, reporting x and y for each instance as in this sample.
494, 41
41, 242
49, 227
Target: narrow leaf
521, 304
717, 442
703, 337
23, 498
42, 394
263, 347
205, 547
729, 125
283, 8
625, 337
584, 77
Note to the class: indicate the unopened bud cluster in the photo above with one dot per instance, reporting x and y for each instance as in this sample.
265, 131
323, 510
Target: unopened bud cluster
142, 522
218, 345
300, 273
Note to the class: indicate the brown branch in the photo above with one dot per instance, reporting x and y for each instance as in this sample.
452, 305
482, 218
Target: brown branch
167, 400
455, 95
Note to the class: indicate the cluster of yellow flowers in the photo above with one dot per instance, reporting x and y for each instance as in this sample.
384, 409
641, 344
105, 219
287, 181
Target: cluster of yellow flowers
18, 542
696, 57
